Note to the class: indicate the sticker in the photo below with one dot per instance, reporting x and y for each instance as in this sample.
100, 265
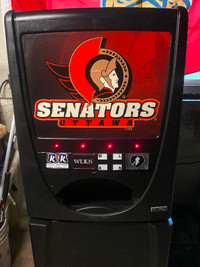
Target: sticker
83, 161
57, 161
159, 209
137, 161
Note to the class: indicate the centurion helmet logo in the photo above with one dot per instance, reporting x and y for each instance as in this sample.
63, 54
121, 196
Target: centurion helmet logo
98, 80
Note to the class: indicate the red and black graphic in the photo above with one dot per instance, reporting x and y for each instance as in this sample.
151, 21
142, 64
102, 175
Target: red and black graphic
97, 80
95, 73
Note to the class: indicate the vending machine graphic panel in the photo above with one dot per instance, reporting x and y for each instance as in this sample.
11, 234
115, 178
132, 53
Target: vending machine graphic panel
95, 81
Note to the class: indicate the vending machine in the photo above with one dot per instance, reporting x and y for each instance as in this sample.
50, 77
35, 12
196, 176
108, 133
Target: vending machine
97, 99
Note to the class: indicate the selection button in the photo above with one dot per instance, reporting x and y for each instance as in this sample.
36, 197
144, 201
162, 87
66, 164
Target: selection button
117, 156
102, 156
117, 167
102, 167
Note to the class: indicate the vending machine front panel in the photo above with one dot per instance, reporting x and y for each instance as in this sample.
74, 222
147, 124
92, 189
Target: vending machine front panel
97, 97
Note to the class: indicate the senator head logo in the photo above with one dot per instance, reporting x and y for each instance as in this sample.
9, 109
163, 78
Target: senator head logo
95, 73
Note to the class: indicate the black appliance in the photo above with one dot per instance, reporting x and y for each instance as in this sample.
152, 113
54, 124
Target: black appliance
97, 99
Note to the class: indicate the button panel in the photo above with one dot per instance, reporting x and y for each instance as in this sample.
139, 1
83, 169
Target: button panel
98, 161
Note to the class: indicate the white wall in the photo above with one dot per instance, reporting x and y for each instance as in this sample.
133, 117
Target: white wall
3, 54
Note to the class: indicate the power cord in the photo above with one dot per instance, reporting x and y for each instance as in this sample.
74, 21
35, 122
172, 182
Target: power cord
3, 84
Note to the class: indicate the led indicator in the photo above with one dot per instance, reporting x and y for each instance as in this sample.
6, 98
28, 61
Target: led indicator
56, 145
170, 221
110, 146
137, 146
83, 146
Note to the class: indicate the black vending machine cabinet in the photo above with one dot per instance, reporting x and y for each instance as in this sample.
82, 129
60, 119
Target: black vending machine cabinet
97, 97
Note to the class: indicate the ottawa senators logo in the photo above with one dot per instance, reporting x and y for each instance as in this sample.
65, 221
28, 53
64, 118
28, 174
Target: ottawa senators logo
99, 83
95, 73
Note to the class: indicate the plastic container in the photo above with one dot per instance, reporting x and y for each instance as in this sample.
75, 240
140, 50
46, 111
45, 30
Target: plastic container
5, 259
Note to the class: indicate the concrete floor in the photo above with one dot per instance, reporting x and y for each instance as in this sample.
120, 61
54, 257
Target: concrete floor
20, 247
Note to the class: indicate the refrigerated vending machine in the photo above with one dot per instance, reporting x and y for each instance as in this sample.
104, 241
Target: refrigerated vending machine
97, 99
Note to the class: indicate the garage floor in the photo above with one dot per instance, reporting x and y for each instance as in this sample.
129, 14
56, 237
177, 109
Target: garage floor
20, 246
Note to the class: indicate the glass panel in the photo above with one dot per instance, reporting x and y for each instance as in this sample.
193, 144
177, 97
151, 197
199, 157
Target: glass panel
108, 84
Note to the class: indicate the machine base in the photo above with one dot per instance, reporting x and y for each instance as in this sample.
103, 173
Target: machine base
94, 244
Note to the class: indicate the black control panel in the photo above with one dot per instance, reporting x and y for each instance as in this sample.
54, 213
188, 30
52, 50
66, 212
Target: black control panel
98, 161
